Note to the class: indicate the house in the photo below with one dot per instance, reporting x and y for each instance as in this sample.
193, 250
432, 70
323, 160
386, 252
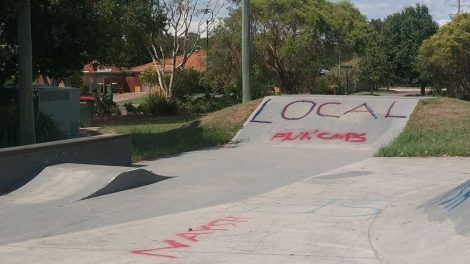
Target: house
99, 77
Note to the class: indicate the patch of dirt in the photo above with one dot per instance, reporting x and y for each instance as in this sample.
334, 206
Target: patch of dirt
231, 117
433, 112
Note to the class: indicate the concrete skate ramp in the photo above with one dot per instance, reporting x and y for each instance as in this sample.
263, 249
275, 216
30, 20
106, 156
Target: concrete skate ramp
74, 182
453, 205
327, 121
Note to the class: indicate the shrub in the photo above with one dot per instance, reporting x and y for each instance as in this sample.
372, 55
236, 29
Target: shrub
159, 105
105, 106
206, 104
187, 82
130, 108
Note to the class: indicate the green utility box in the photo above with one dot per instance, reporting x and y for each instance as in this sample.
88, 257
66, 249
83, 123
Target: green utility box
87, 110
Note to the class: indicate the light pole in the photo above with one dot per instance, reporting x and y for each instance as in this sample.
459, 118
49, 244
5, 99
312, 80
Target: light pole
25, 70
246, 50
339, 65
208, 11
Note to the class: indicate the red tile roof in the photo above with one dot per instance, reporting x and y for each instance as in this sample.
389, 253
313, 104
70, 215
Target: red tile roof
197, 61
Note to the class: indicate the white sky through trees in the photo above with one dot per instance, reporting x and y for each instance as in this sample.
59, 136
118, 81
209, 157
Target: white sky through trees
439, 9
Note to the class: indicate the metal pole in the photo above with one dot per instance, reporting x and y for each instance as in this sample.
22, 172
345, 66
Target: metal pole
25, 69
207, 36
339, 66
246, 50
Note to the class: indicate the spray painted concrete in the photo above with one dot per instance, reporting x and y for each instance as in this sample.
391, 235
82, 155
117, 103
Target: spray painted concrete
368, 212
267, 200
328, 122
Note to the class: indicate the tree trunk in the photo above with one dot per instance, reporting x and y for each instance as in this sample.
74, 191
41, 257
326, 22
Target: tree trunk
423, 89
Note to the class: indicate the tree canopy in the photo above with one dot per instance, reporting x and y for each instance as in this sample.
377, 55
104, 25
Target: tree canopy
444, 59
404, 33
68, 34
393, 46
299, 38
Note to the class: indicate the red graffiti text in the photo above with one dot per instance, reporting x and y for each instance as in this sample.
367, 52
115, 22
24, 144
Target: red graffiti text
352, 137
184, 239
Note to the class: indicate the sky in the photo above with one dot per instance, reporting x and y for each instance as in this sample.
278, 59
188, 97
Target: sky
439, 9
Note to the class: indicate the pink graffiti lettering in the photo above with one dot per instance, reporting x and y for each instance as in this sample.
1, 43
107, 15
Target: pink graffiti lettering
352, 137
172, 244
192, 236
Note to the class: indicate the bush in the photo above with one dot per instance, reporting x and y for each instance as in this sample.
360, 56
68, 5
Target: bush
206, 104
105, 106
130, 108
187, 82
159, 105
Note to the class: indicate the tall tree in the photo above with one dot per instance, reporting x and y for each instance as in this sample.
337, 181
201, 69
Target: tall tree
375, 66
185, 22
404, 33
444, 59
298, 37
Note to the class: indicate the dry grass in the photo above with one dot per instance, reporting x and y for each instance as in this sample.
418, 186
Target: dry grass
231, 118
156, 137
438, 127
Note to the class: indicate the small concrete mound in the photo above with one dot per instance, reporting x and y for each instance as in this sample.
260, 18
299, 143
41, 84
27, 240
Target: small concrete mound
75, 182
327, 121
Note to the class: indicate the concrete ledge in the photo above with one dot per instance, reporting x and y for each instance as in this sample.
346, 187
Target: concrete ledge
18, 165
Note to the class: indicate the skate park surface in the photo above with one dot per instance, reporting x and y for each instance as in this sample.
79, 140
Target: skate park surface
299, 185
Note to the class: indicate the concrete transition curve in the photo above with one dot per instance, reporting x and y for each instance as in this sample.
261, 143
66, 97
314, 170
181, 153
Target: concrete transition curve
327, 122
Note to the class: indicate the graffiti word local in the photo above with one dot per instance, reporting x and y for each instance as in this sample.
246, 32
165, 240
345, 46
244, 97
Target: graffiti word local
324, 110
352, 137
187, 238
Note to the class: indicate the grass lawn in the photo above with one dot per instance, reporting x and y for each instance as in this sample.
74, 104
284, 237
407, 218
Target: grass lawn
438, 127
154, 137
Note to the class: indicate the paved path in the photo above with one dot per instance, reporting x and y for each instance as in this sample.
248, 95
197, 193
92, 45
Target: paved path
374, 211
